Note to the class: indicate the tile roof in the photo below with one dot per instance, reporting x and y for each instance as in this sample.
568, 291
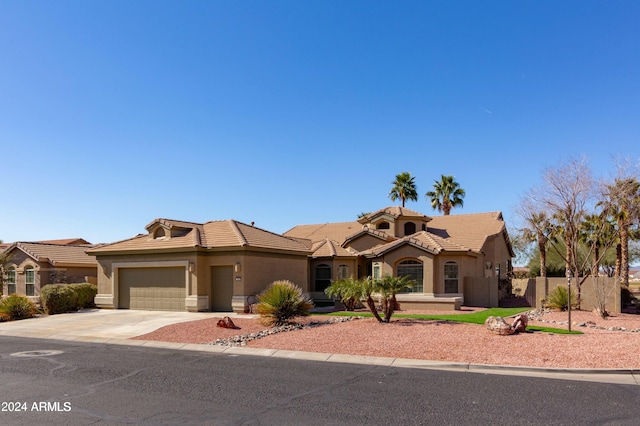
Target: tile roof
213, 234
468, 230
335, 231
330, 248
56, 254
395, 211
368, 231
67, 241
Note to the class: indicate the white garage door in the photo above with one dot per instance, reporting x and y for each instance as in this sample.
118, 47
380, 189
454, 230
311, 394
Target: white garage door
154, 289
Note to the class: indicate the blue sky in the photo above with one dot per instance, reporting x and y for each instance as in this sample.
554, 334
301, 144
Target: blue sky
113, 113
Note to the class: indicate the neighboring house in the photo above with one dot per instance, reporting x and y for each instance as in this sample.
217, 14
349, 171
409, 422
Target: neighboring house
454, 259
215, 266
33, 265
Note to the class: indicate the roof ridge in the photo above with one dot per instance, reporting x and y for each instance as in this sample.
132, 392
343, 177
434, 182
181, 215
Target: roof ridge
332, 249
236, 229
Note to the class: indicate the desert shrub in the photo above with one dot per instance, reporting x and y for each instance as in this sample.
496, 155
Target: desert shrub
16, 307
348, 291
559, 297
85, 293
281, 302
58, 298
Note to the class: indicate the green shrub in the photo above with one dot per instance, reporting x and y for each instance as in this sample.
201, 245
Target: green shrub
85, 293
349, 292
281, 302
61, 298
558, 298
58, 298
16, 307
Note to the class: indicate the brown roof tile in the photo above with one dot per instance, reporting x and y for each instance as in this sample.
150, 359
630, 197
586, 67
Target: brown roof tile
395, 211
56, 254
330, 248
334, 231
467, 230
213, 234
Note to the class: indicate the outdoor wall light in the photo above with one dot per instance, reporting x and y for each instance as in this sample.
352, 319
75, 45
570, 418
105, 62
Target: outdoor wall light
237, 267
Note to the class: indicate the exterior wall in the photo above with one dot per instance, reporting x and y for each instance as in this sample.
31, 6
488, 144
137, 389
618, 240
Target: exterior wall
496, 254
390, 261
481, 292
468, 267
609, 286
252, 273
261, 269
366, 242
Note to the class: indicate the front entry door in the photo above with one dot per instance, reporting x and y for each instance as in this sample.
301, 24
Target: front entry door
221, 288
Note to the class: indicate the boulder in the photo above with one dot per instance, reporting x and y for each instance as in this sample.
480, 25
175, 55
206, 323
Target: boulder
520, 323
498, 325
226, 323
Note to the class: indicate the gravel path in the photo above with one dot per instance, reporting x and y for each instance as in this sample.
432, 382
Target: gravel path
440, 340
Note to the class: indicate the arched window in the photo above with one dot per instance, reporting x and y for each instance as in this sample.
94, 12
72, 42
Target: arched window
11, 280
323, 277
383, 225
30, 280
159, 234
451, 277
413, 269
409, 228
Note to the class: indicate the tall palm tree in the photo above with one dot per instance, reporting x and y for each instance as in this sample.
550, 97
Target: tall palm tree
446, 195
404, 188
623, 198
538, 228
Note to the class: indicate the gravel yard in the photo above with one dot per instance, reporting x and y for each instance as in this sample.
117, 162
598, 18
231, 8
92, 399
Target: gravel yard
439, 340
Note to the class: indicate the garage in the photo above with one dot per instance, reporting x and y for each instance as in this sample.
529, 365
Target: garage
155, 289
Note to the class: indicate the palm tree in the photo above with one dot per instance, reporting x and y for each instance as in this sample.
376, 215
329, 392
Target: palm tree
446, 195
404, 188
623, 198
537, 229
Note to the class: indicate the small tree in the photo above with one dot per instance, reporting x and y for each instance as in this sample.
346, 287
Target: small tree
349, 292
388, 288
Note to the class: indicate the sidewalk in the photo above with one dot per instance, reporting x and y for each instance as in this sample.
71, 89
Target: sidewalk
118, 326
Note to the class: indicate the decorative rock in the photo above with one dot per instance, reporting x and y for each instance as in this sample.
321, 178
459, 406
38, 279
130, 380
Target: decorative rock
498, 325
520, 323
243, 339
226, 323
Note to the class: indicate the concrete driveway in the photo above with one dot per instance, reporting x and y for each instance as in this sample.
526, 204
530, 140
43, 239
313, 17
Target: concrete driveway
99, 324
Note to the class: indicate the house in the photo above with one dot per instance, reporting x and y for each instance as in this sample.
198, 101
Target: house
32, 265
219, 265
215, 266
453, 259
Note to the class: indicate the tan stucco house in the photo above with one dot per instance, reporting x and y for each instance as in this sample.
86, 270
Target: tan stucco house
219, 265
215, 266
32, 265
454, 259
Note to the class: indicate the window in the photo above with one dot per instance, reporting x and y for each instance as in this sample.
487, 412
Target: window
159, 234
30, 280
412, 269
409, 228
451, 277
343, 272
11, 281
323, 277
383, 225
377, 272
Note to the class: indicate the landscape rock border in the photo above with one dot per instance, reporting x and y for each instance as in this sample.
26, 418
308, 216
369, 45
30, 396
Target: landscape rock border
243, 339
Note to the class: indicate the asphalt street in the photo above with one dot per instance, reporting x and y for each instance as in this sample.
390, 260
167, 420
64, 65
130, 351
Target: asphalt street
76, 383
